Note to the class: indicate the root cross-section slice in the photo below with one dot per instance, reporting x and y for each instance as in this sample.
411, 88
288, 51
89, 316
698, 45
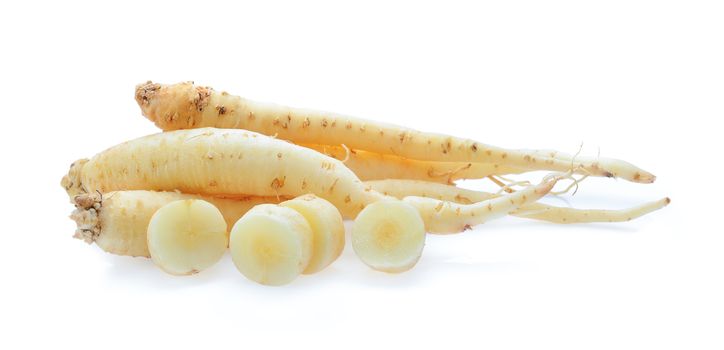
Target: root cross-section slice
271, 244
186, 236
327, 229
389, 236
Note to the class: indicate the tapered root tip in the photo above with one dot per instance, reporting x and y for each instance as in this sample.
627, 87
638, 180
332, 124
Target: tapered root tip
644, 178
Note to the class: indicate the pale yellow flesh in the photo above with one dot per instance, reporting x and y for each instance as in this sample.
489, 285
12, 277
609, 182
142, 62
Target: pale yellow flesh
389, 236
186, 236
327, 230
271, 245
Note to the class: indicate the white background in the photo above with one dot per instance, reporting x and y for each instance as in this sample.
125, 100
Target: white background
639, 80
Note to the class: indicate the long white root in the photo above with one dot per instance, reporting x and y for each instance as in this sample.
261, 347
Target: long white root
184, 106
537, 211
376, 166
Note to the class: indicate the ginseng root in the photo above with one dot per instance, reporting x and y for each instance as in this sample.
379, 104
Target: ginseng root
224, 162
376, 166
537, 211
185, 106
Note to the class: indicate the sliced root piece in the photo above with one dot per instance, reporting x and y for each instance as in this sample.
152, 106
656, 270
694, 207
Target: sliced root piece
389, 236
271, 245
327, 229
186, 236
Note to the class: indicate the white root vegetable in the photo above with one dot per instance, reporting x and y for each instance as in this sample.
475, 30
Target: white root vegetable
376, 166
117, 222
271, 244
184, 106
237, 162
187, 236
389, 236
448, 217
327, 230
537, 211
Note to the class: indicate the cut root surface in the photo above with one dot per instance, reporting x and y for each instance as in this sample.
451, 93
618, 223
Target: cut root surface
327, 229
389, 236
186, 236
271, 245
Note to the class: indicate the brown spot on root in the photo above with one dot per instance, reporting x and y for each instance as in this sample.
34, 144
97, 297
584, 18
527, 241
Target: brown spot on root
221, 110
490, 207
637, 176
402, 136
331, 189
474, 147
250, 116
347, 199
464, 200
278, 183
86, 216
145, 92
446, 146
504, 155
279, 155
527, 158
202, 98
467, 227
304, 184
213, 183
349, 125
328, 165
439, 206
306, 123
667, 200
324, 122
